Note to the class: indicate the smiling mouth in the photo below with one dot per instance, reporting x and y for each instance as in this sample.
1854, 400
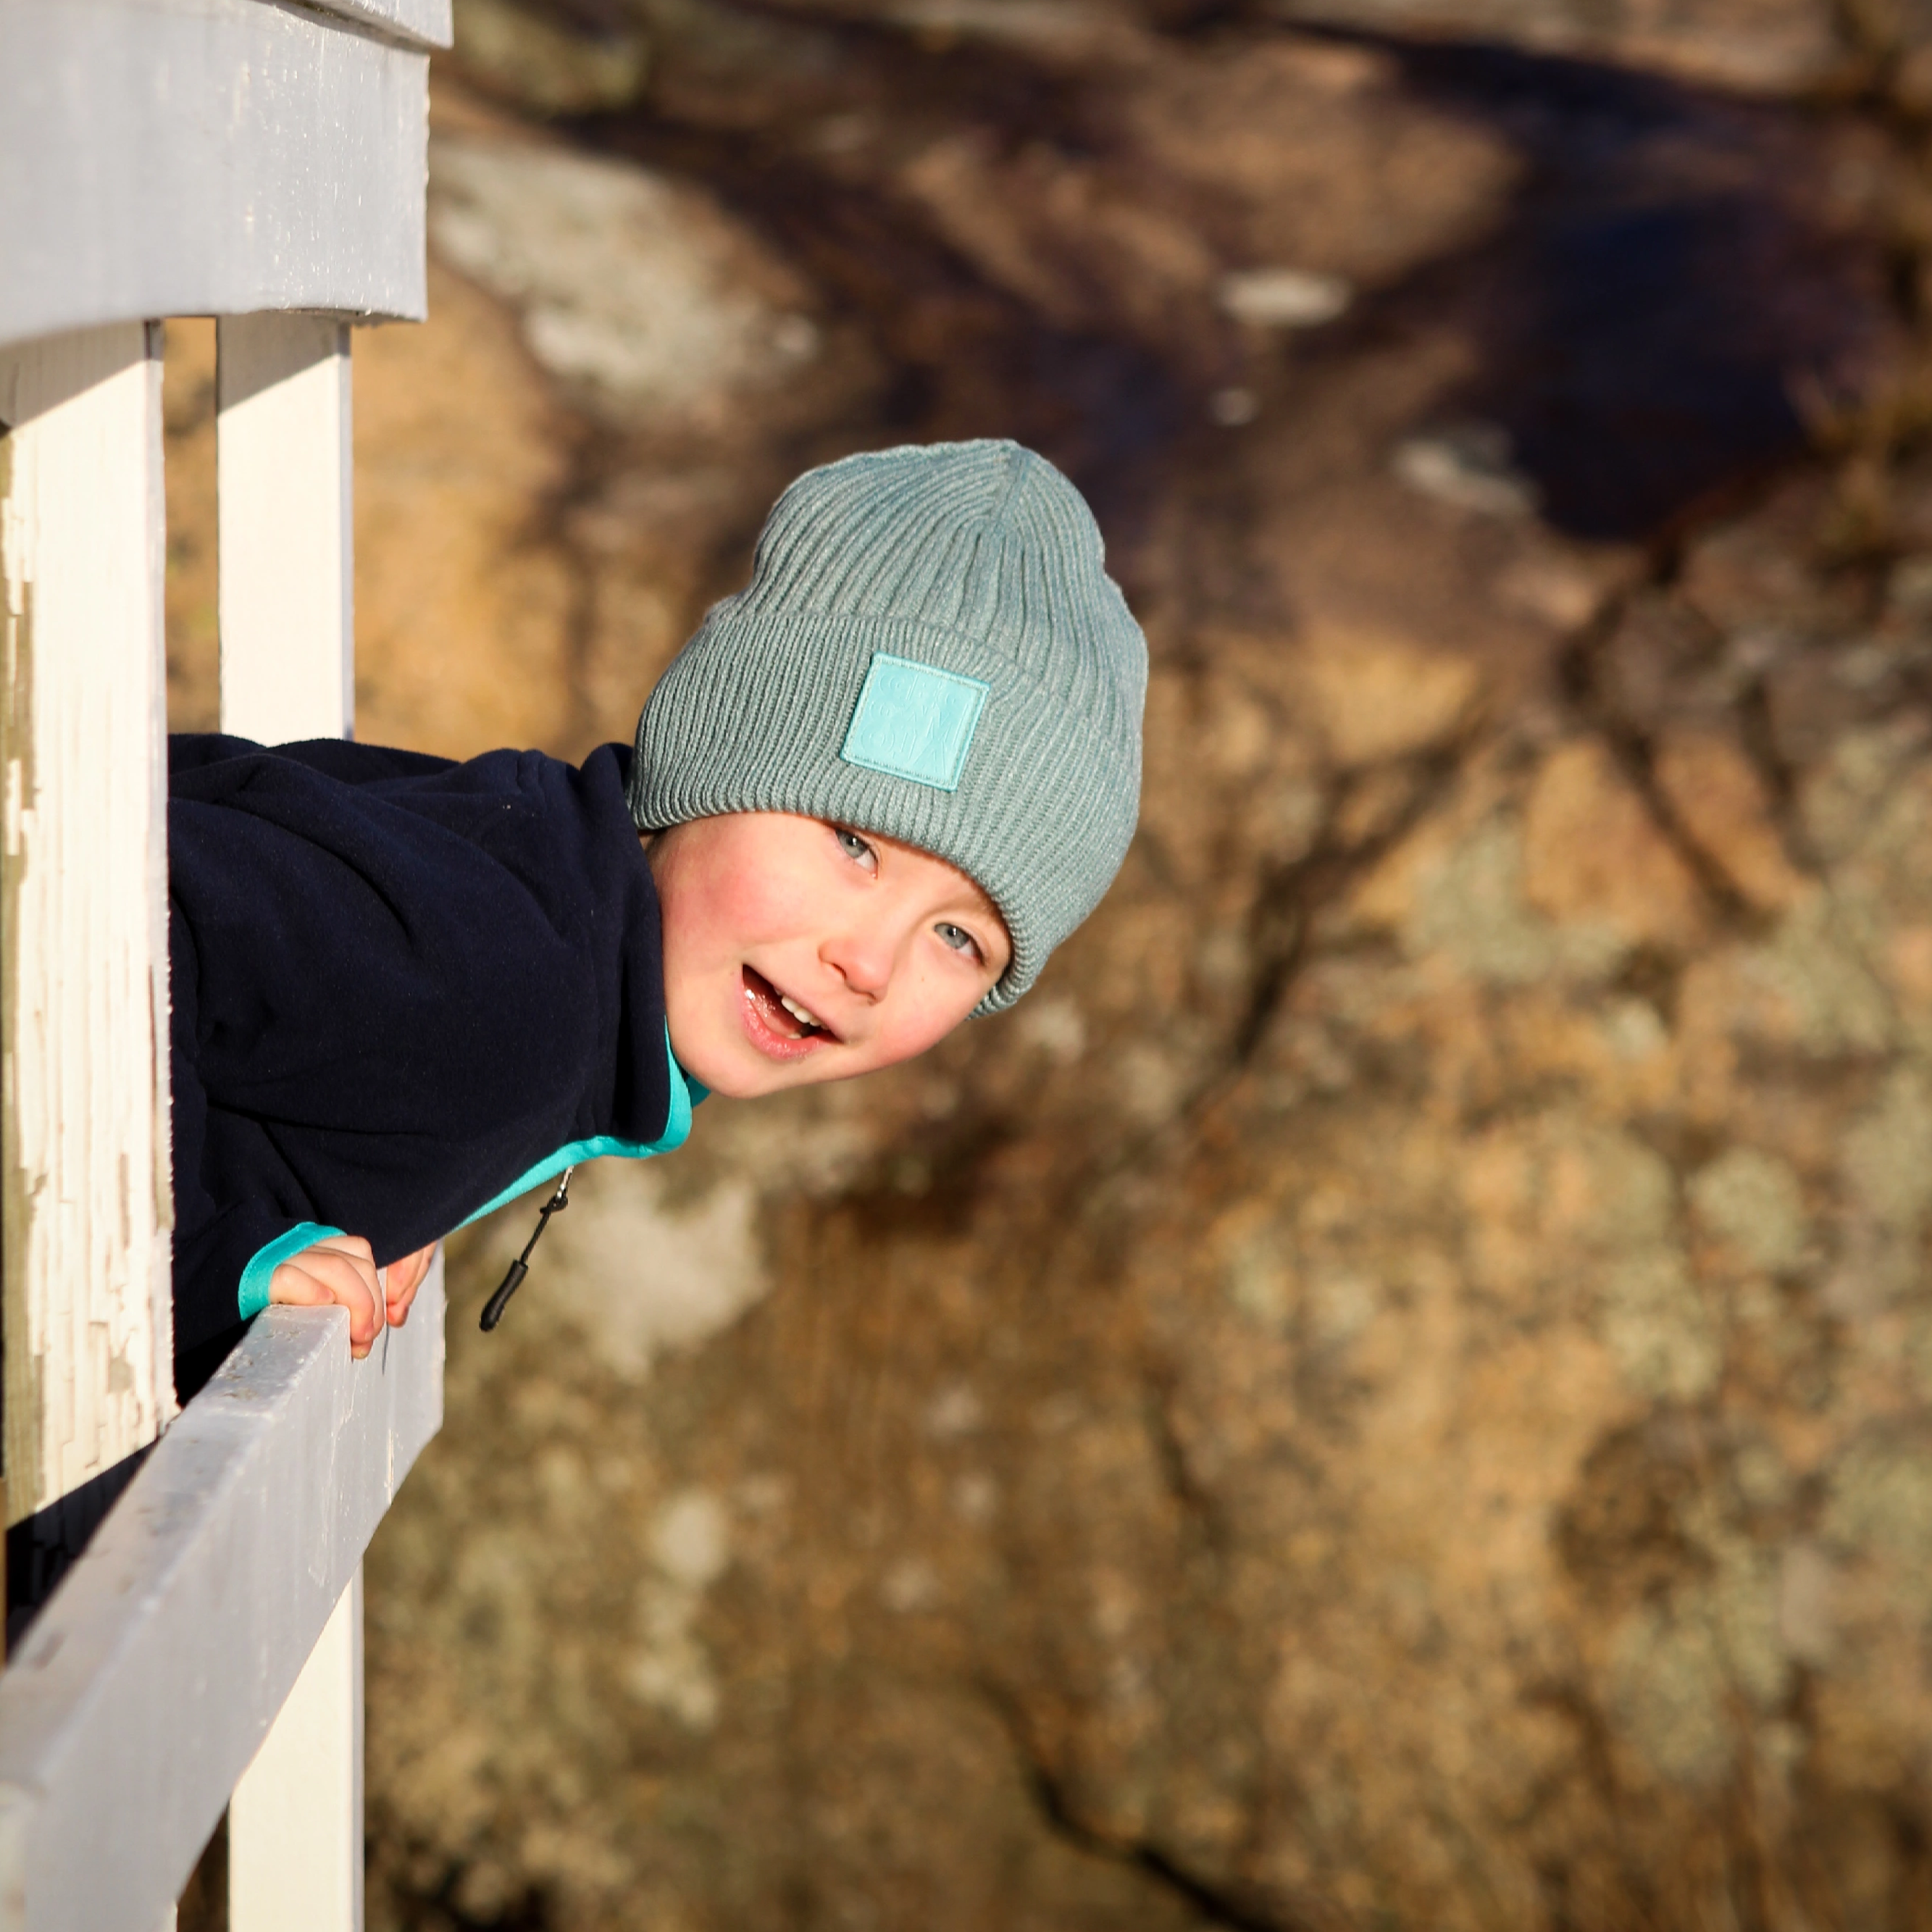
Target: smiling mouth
780, 1025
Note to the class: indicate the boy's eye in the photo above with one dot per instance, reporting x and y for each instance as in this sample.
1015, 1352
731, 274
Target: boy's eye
855, 848
958, 938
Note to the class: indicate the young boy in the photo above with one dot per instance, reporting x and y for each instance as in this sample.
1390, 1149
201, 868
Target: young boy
868, 799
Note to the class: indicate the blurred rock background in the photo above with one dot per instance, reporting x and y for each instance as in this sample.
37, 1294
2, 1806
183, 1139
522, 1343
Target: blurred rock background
1393, 1391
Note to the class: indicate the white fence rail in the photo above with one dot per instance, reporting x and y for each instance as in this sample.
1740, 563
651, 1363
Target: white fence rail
211, 157
145, 1690
252, 160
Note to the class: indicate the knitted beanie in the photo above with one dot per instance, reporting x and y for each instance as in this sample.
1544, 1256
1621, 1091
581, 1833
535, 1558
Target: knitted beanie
929, 648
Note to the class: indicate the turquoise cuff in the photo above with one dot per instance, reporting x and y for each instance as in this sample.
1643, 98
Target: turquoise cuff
255, 1277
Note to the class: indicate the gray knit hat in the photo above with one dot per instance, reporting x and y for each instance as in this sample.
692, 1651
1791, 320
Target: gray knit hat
929, 648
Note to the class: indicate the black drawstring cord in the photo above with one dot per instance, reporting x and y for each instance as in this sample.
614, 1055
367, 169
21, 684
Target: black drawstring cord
493, 1309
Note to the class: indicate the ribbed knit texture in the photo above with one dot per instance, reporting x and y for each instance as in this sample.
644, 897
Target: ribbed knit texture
981, 559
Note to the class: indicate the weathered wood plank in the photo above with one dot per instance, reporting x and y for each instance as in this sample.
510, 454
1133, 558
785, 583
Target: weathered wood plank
83, 1141
148, 1684
205, 157
283, 460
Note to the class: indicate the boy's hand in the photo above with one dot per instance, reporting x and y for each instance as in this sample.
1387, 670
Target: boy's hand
402, 1279
339, 1270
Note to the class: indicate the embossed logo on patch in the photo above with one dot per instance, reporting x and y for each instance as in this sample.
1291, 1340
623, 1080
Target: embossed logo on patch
914, 721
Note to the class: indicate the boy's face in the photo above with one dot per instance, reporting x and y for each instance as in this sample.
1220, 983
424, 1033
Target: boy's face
797, 951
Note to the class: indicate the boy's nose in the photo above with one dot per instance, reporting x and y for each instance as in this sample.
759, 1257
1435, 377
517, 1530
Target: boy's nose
863, 959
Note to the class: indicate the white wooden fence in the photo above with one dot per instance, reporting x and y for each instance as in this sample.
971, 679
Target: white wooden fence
263, 163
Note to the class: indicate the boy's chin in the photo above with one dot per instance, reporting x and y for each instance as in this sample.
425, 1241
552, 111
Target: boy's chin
759, 1083
744, 1076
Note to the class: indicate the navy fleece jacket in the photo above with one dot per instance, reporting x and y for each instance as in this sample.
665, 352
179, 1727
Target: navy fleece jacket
403, 990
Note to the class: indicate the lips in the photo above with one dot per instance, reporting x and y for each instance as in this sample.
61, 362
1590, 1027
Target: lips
777, 1025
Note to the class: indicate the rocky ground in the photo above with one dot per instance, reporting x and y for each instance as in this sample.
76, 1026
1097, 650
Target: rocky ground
1393, 1390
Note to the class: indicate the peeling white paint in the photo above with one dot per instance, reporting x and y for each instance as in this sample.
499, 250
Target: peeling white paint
88, 1306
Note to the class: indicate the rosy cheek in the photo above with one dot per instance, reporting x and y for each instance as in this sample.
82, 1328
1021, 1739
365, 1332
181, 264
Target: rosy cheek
750, 907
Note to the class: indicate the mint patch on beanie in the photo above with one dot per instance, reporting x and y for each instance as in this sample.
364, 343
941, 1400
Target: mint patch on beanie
929, 648
914, 721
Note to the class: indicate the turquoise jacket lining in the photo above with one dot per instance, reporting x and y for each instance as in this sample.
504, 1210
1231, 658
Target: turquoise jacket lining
573, 1154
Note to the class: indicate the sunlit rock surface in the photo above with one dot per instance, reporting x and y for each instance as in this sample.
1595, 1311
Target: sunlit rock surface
1392, 1390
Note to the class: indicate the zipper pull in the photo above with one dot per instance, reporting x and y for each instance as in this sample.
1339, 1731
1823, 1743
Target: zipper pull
493, 1309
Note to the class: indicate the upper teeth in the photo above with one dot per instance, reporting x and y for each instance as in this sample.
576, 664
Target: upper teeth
797, 1012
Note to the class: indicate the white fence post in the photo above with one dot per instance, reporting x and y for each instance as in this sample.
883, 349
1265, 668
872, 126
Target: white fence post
283, 483
87, 1206
283, 469
294, 1824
